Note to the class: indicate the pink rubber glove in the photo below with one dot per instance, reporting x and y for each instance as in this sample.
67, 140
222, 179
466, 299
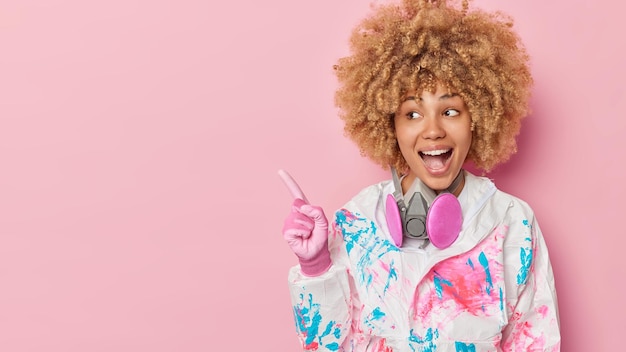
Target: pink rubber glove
306, 231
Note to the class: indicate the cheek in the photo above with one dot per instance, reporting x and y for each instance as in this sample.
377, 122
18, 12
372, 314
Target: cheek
462, 134
404, 136
406, 142
468, 138
465, 144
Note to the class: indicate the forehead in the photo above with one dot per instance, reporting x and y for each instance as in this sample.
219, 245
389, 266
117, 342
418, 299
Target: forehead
441, 93
422, 87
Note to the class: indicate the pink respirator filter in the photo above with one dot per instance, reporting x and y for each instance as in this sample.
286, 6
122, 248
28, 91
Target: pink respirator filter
444, 220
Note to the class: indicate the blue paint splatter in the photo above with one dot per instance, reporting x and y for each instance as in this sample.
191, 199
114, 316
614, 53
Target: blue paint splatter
337, 333
333, 346
526, 259
393, 274
482, 258
308, 319
461, 347
360, 233
328, 329
375, 315
470, 263
438, 281
426, 343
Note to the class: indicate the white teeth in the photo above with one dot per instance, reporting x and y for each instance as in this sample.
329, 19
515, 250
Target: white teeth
436, 152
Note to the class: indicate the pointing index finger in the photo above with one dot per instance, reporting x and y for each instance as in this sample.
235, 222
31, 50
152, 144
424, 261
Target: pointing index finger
292, 185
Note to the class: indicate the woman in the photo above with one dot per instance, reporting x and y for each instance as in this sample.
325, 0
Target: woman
437, 259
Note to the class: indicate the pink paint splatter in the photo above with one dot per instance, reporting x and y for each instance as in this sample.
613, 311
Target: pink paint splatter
465, 283
521, 335
543, 311
382, 347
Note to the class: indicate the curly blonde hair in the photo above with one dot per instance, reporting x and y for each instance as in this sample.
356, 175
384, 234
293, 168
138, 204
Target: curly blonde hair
416, 44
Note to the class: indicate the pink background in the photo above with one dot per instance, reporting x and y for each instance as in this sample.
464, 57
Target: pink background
140, 208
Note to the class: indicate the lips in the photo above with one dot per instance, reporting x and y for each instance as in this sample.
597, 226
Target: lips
436, 159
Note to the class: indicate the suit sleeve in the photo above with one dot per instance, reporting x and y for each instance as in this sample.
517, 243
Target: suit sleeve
323, 305
533, 310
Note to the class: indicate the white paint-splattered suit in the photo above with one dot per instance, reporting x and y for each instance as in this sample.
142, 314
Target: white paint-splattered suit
492, 290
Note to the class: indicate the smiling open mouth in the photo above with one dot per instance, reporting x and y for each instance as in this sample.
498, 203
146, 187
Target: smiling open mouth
436, 159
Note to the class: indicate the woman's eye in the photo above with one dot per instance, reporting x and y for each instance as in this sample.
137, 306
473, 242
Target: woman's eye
451, 112
413, 115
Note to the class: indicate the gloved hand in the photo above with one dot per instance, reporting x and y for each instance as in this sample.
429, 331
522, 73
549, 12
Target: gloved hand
306, 231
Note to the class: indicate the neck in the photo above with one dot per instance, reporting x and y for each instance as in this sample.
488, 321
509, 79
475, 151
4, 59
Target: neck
457, 185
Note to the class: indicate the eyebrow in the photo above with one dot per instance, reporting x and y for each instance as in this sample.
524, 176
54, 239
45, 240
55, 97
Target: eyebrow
443, 97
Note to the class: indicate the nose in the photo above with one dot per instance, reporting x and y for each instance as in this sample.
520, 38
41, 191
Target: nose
433, 128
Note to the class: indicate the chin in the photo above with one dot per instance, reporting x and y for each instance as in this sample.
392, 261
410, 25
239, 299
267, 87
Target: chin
439, 182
